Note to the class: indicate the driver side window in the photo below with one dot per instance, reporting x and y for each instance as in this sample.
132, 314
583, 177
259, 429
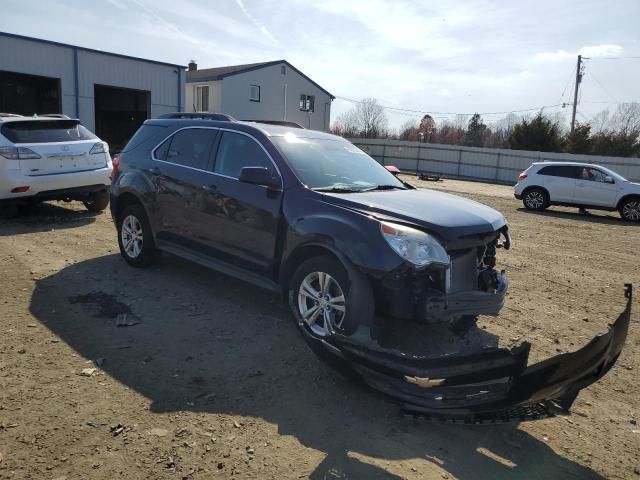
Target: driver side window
594, 175
237, 151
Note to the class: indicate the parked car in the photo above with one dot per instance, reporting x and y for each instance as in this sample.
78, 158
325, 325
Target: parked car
581, 185
51, 157
309, 215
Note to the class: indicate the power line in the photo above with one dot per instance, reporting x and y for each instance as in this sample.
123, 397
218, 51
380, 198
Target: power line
602, 86
424, 112
614, 58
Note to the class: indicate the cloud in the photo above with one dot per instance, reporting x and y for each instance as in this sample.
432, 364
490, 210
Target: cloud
605, 50
118, 4
259, 25
592, 51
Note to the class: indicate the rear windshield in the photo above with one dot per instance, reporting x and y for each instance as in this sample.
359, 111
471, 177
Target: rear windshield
45, 131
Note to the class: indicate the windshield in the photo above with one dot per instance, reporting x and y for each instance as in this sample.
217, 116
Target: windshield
46, 131
326, 164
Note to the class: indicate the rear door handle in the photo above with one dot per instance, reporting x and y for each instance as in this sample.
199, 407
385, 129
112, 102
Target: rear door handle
210, 188
155, 170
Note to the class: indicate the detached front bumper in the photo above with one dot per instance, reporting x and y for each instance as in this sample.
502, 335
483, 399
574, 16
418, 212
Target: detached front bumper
493, 385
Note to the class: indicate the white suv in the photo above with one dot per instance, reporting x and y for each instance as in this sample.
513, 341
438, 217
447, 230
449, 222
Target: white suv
579, 185
51, 157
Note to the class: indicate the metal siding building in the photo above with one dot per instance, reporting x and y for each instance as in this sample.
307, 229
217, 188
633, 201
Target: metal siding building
111, 94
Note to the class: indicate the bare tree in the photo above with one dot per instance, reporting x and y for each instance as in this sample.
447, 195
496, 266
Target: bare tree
367, 119
409, 131
626, 120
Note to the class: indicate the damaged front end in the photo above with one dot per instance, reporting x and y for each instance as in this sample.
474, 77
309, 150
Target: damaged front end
467, 286
489, 386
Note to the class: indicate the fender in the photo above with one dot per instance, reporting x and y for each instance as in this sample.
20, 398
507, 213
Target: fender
354, 240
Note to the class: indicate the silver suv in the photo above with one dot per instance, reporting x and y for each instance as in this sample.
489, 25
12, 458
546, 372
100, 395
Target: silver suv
581, 185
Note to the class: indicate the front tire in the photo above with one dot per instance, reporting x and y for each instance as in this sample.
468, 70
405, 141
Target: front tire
630, 209
325, 298
535, 199
97, 201
135, 238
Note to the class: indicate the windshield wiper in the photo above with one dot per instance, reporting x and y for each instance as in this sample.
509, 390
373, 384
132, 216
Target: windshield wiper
337, 189
382, 187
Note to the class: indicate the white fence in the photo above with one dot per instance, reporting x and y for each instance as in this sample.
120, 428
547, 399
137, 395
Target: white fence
484, 164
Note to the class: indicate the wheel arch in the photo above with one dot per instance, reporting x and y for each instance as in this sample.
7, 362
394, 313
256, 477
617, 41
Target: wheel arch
302, 253
537, 187
626, 197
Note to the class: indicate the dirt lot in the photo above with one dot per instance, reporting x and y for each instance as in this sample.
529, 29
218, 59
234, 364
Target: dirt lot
215, 381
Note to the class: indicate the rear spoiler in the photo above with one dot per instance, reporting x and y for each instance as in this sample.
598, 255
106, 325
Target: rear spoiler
492, 386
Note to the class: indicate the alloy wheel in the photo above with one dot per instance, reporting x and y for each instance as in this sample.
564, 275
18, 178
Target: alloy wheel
132, 236
321, 303
631, 210
534, 200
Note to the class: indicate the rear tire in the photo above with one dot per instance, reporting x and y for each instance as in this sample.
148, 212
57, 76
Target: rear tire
326, 298
97, 201
630, 209
535, 199
135, 238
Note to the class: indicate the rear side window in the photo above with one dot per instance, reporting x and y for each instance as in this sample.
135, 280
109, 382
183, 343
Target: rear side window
190, 147
144, 134
565, 171
46, 131
237, 151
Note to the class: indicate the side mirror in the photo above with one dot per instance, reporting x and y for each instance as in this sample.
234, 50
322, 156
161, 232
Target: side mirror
393, 170
259, 176
608, 179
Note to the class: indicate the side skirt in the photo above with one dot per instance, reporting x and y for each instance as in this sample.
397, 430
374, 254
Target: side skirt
220, 266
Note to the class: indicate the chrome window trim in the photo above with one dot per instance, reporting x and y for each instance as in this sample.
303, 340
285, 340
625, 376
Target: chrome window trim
219, 129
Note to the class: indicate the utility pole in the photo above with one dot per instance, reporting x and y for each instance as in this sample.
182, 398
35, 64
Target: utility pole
575, 91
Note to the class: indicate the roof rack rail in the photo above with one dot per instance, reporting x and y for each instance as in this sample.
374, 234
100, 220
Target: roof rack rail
2, 114
283, 123
55, 115
200, 116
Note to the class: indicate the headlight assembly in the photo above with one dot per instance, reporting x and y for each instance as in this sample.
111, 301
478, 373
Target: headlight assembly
415, 246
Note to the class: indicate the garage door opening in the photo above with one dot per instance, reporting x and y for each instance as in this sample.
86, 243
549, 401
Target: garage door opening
29, 94
119, 113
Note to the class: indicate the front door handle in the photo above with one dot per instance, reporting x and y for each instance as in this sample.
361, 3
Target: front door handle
210, 188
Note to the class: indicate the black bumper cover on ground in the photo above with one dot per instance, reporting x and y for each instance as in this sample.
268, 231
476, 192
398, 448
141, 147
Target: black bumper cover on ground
493, 385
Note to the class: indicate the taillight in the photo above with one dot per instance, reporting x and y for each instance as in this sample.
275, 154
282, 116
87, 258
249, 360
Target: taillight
20, 189
100, 147
116, 165
18, 153
522, 176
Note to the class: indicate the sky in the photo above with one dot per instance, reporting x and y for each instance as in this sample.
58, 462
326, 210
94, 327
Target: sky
440, 58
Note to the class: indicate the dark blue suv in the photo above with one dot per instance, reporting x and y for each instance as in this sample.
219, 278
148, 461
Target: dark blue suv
309, 215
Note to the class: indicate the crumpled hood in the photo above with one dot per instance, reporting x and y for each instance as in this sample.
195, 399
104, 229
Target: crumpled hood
448, 216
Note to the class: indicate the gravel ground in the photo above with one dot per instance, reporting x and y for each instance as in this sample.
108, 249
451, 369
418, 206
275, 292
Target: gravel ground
208, 378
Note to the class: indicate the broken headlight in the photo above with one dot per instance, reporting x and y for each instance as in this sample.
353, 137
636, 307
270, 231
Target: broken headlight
415, 246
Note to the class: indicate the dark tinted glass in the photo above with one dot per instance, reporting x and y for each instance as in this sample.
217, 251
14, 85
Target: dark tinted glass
547, 171
146, 133
45, 131
567, 171
162, 150
560, 171
237, 151
191, 147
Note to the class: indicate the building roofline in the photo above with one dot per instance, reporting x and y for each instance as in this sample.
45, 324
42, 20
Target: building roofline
85, 49
256, 67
